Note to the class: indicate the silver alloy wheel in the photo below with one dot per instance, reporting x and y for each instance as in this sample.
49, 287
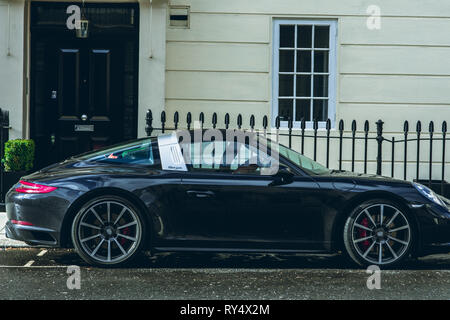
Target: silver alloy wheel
381, 234
109, 232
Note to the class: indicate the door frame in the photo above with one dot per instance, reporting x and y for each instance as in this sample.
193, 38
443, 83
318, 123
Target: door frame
61, 32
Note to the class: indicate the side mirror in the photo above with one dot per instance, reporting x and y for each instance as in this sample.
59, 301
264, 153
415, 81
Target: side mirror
283, 176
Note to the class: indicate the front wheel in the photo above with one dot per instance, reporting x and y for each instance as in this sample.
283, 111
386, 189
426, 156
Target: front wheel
108, 231
378, 232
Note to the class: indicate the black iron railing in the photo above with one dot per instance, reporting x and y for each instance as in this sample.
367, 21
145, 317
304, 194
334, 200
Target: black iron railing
4, 136
339, 134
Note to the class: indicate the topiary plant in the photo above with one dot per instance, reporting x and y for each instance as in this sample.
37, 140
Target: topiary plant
19, 155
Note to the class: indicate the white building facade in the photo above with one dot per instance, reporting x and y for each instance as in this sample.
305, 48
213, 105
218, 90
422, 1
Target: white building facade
352, 60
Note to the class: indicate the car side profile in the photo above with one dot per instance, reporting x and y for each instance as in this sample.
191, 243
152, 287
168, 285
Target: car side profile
178, 193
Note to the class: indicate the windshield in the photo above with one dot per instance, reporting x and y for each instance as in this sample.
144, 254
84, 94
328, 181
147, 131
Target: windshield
301, 161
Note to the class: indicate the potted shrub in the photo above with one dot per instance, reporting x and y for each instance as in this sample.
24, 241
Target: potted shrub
17, 161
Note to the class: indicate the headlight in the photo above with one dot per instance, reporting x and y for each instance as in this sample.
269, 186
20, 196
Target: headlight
429, 194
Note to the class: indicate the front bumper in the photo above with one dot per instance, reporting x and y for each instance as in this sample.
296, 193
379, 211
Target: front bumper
434, 228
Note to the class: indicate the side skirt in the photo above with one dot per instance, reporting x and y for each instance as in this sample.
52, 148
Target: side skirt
236, 250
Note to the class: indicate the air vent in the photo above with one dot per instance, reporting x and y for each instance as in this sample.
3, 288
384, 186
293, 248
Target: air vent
179, 16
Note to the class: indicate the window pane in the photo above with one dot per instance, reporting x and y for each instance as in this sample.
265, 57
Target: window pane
307, 95
320, 110
287, 36
320, 86
303, 61
303, 86
249, 154
139, 152
286, 86
286, 60
205, 154
304, 36
285, 108
321, 36
320, 61
302, 109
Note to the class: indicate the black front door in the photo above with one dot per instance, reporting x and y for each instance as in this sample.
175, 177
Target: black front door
85, 88
83, 91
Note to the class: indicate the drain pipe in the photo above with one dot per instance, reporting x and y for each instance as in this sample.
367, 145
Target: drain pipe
9, 30
150, 30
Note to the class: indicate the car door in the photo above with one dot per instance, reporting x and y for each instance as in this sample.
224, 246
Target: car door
223, 206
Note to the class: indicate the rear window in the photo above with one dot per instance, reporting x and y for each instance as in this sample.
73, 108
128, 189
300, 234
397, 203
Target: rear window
144, 151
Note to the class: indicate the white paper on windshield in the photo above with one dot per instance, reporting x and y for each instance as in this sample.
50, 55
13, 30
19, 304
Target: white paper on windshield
170, 153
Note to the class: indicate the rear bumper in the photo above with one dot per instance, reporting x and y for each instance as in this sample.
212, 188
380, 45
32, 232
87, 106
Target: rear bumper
32, 235
44, 213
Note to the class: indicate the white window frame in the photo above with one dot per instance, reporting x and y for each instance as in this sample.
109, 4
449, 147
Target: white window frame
332, 69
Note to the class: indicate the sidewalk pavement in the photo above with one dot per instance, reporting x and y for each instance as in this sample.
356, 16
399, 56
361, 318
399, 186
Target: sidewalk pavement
5, 242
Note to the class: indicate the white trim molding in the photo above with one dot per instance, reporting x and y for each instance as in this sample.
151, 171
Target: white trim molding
332, 69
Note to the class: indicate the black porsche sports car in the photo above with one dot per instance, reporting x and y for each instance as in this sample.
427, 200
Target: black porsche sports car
113, 203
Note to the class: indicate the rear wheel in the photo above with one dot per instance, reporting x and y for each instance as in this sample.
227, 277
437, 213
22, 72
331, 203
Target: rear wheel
108, 231
378, 232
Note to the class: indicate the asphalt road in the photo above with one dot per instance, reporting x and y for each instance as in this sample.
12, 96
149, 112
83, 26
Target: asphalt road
38, 273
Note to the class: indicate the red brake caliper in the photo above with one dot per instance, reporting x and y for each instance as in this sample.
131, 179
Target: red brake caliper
126, 232
363, 233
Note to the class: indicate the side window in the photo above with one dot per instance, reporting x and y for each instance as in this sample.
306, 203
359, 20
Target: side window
205, 155
145, 153
227, 157
250, 160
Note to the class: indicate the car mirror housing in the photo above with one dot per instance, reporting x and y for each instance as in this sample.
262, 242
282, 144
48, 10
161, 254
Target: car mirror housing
282, 177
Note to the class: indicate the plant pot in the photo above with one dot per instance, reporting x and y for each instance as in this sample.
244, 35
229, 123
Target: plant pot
10, 179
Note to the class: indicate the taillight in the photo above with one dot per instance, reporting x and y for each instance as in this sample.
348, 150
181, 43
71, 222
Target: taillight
28, 187
22, 223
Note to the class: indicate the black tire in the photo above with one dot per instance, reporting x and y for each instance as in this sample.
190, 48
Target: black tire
99, 237
388, 242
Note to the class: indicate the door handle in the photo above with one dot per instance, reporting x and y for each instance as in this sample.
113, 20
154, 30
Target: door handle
200, 194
